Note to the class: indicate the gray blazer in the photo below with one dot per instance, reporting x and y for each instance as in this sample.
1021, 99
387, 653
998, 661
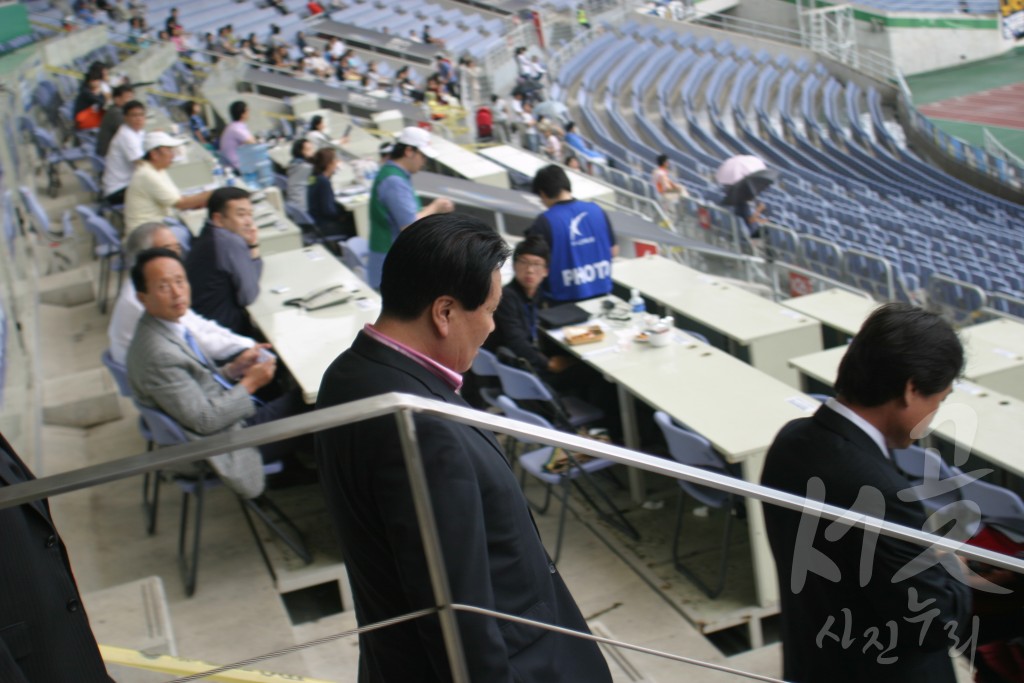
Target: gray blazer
166, 374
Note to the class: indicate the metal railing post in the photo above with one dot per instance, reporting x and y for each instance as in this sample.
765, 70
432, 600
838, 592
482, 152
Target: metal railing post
431, 544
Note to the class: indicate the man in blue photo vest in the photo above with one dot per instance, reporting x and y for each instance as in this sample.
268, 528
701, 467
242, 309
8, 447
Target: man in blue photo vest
581, 239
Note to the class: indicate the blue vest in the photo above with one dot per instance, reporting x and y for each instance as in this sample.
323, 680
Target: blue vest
581, 251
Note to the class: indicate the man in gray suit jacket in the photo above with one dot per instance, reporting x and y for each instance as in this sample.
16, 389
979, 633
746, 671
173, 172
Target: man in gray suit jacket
440, 287
169, 371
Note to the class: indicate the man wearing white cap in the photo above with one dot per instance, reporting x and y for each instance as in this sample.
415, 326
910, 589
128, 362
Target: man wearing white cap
151, 193
393, 202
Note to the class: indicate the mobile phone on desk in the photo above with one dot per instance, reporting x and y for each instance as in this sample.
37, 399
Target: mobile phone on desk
264, 355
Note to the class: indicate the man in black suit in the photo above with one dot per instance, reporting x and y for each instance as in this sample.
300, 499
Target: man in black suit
44, 631
440, 287
850, 611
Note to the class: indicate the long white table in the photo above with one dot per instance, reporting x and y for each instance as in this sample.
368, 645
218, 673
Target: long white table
762, 331
985, 422
738, 408
309, 341
840, 312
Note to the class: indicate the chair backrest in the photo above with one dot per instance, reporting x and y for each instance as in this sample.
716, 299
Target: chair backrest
39, 216
119, 371
165, 430
485, 364
690, 448
88, 184
104, 232
354, 251
69, 228
298, 216
520, 385
514, 412
994, 501
84, 212
921, 463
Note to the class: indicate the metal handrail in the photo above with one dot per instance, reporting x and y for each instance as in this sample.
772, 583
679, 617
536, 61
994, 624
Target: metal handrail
404, 407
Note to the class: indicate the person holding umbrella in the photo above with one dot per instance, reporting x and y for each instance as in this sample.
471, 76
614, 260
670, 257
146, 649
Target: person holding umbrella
744, 177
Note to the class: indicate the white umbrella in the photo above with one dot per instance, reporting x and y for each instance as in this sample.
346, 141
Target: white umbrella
735, 169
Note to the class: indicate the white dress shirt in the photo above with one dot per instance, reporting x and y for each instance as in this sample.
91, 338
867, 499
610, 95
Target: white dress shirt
125, 149
219, 342
865, 426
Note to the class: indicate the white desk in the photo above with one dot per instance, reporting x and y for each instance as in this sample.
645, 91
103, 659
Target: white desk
308, 342
987, 423
738, 408
765, 332
527, 163
995, 355
469, 165
840, 312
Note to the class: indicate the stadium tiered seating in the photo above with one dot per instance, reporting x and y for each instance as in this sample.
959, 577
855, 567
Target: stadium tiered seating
864, 205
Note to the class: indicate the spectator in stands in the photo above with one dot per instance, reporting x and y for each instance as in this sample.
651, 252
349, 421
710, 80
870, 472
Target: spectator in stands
403, 88
429, 39
523, 64
316, 64
85, 11
552, 139
258, 48
394, 204
125, 149
314, 8
172, 21
515, 321
538, 72
501, 118
300, 40
468, 74
573, 163
414, 37
236, 133
151, 194
669, 191
89, 104
446, 75
224, 265
318, 134
278, 5
373, 78
335, 49
275, 39
300, 168
171, 371
581, 239
197, 124
113, 117
181, 42
585, 149
323, 207
138, 34
245, 49
226, 41
531, 136
581, 16
752, 218
220, 341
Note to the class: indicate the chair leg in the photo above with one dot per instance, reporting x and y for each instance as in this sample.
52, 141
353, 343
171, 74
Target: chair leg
101, 295
151, 499
723, 551
190, 569
610, 513
284, 528
259, 542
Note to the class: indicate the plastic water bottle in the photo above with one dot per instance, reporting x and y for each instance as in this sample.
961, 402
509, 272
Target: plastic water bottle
218, 175
636, 302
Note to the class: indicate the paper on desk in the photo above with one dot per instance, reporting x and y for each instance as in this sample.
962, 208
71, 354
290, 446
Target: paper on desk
367, 304
789, 313
1006, 353
968, 387
314, 255
598, 352
804, 403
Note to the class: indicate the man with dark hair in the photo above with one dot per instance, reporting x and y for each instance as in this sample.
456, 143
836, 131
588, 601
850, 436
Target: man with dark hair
515, 321
224, 264
152, 194
124, 149
236, 133
581, 239
113, 117
440, 287
896, 372
44, 631
393, 202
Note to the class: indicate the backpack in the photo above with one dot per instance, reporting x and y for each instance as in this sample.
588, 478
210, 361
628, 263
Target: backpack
484, 122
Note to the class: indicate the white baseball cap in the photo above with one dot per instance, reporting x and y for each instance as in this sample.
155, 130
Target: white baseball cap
160, 139
418, 138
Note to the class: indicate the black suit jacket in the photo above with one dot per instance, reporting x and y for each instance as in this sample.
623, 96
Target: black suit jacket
492, 550
830, 447
44, 632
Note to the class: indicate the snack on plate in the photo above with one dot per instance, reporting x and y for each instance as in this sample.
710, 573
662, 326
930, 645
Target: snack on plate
582, 334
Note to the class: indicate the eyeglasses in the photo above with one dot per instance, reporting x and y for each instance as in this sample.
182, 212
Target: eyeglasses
531, 265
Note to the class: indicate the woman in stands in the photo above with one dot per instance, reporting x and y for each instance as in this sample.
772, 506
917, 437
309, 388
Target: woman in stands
320, 197
319, 137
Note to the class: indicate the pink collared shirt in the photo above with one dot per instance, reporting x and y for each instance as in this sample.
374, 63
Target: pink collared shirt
447, 375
